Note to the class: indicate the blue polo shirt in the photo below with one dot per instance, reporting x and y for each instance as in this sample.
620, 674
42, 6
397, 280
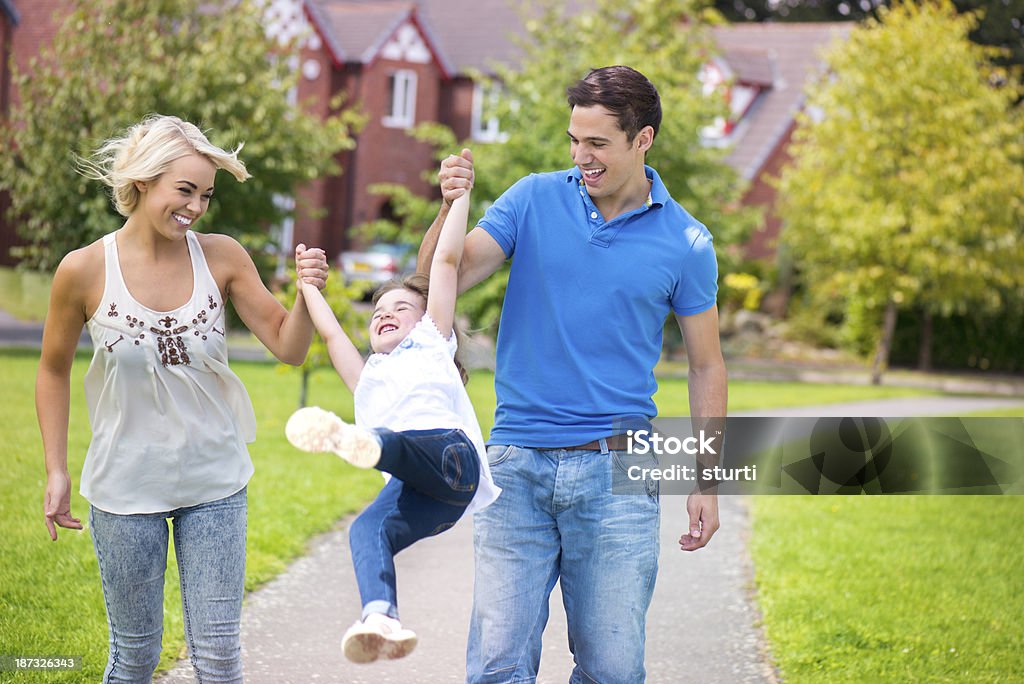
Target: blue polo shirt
581, 326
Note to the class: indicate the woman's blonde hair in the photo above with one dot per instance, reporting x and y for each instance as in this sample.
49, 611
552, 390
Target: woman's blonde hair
419, 283
145, 151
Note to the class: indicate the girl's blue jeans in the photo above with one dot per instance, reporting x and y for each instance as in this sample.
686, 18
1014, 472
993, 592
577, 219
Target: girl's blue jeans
435, 474
209, 542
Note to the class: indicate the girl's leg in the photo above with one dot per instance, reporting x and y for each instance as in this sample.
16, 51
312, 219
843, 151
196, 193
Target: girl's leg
443, 464
209, 540
132, 555
400, 516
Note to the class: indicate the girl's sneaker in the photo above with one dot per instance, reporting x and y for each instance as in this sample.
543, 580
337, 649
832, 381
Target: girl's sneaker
378, 636
314, 429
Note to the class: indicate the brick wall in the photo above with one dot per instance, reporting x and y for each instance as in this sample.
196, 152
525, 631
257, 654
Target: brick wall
764, 242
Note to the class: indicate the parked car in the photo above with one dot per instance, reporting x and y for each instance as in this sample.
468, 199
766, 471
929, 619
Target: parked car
377, 264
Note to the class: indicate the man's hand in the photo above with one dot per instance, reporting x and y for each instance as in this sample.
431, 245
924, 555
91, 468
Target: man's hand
456, 175
703, 511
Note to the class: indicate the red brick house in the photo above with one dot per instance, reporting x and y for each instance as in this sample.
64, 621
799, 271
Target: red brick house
769, 67
407, 61
359, 50
404, 63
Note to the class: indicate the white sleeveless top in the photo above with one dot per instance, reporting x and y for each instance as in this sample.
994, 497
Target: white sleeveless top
418, 387
169, 419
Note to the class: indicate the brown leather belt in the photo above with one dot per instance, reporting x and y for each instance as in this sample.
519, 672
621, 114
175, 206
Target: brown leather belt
615, 443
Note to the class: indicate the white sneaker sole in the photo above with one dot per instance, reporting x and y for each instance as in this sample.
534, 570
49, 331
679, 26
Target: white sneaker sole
314, 429
364, 644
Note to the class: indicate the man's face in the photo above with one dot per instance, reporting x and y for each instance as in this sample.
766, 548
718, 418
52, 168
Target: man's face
608, 160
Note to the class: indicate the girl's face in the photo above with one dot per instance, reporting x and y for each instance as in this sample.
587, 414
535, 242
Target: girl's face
396, 314
179, 197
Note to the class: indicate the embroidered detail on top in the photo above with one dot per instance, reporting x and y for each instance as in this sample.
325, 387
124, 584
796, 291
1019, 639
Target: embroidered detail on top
169, 333
170, 345
173, 352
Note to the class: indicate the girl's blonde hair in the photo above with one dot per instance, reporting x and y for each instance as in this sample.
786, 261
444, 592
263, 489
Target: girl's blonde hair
145, 151
419, 283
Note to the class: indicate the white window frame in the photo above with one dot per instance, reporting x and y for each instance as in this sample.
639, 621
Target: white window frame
403, 99
488, 130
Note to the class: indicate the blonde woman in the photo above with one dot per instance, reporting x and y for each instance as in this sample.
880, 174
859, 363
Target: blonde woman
170, 420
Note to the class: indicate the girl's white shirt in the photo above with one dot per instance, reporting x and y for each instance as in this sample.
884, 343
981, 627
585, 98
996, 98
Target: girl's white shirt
418, 387
169, 419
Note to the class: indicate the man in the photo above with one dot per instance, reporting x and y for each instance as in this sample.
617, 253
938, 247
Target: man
601, 255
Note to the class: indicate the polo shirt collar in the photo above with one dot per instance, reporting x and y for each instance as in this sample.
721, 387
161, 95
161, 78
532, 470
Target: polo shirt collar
657, 197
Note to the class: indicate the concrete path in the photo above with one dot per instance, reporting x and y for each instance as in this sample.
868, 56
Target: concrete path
703, 625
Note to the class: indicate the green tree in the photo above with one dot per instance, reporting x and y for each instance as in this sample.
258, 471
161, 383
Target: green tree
905, 186
667, 41
114, 61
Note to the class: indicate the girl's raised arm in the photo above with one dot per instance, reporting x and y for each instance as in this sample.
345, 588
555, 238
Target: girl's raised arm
344, 356
444, 269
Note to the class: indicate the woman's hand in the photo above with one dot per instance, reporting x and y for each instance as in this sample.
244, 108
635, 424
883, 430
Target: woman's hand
57, 504
311, 266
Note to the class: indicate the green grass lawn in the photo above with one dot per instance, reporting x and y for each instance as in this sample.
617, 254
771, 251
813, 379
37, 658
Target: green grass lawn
892, 589
50, 600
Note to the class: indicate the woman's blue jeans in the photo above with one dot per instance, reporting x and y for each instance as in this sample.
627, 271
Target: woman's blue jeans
435, 474
209, 542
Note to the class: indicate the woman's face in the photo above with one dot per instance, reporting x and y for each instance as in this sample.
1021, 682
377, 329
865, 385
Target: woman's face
179, 197
396, 314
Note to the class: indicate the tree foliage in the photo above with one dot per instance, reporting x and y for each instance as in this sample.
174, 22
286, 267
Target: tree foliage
664, 39
1001, 22
114, 61
905, 186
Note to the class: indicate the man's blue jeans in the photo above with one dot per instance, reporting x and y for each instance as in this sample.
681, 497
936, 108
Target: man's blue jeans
557, 517
435, 476
209, 543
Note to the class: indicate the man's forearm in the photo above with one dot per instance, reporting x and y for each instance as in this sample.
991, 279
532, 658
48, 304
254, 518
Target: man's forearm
429, 243
708, 387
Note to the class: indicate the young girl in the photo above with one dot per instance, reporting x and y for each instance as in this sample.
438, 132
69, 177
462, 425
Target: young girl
170, 420
414, 421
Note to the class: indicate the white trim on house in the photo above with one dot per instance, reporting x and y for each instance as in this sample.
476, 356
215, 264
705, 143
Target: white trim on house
402, 100
485, 129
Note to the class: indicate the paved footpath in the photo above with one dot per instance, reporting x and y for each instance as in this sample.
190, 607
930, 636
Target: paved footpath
703, 625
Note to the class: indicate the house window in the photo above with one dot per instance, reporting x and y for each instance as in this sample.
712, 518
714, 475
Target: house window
401, 99
485, 124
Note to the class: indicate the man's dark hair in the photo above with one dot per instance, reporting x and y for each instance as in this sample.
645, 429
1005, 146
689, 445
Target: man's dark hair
624, 92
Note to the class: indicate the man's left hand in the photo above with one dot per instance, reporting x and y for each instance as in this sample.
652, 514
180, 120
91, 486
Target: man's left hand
703, 511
